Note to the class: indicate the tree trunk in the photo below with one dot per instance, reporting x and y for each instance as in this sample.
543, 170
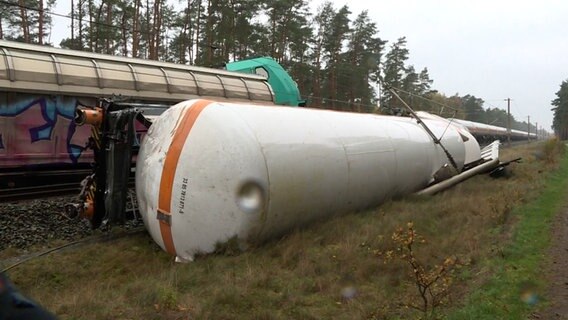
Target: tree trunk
331, 85
209, 33
98, 22
136, 29
124, 34
283, 37
72, 22
185, 34
317, 76
81, 15
91, 25
331, 78
273, 40
197, 27
351, 84
188, 36
155, 34
157, 27
107, 28
40, 22
149, 35
233, 32
25, 24
1, 30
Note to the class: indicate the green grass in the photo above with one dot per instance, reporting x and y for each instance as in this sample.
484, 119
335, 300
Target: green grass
519, 269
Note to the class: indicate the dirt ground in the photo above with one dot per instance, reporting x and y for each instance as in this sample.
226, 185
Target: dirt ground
557, 272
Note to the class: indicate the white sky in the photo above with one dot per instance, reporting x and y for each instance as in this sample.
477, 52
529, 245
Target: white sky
491, 49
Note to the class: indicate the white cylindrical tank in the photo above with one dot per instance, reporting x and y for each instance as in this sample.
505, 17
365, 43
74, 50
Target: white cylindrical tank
208, 171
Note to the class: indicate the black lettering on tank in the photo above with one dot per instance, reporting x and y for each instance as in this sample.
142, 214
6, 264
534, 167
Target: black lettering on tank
181, 204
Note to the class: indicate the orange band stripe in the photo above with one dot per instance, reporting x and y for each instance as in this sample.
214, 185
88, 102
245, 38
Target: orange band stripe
169, 171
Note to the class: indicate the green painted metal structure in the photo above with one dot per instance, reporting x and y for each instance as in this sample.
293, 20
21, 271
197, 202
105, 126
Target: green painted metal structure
284, 87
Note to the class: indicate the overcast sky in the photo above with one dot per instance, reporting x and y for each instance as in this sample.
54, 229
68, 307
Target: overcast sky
491, 49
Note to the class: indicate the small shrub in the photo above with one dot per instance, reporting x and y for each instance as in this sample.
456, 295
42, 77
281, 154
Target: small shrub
167, 299
552, 150
433, 283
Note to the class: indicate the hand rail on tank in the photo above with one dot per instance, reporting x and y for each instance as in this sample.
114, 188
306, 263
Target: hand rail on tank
134, 77
98, 72
247, 88
10, 72
420, 122
57, 69
225, 94
167, 79
197, 87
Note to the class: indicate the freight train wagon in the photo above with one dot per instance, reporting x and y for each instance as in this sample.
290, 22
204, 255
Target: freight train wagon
485, 133
41, 87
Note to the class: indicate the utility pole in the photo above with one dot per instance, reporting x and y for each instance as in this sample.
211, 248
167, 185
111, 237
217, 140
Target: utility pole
509, 121
529, 129
536, 127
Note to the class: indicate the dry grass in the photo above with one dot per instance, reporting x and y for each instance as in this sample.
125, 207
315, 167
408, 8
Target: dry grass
331, 270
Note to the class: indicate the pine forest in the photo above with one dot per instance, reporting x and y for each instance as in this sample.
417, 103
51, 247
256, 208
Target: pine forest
336, 56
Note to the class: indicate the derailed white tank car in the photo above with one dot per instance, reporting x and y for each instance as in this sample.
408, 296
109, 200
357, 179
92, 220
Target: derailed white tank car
210, 171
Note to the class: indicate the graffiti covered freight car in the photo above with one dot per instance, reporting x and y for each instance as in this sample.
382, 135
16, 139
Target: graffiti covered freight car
37, 130
41, 87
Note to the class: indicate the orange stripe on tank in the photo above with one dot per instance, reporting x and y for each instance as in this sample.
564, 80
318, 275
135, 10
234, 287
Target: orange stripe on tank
169, 171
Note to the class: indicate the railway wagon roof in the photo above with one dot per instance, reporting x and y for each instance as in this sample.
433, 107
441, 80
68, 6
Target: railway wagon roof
41, 69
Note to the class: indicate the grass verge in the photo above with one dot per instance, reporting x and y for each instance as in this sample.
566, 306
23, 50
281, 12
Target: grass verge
512, 291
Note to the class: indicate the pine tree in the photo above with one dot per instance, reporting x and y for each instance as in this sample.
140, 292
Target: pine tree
285, 17
291, 40
7, 12
560, 103
496, 117
364, 54
394, 72
322, 28
333, 45
25, 20
244, 28
473, 108
77, 38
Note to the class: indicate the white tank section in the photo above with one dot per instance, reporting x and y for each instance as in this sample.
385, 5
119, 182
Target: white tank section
440, 126
209, 171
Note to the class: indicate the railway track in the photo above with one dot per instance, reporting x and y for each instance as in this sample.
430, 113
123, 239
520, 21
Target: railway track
40, 220
23, 185
40, 191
